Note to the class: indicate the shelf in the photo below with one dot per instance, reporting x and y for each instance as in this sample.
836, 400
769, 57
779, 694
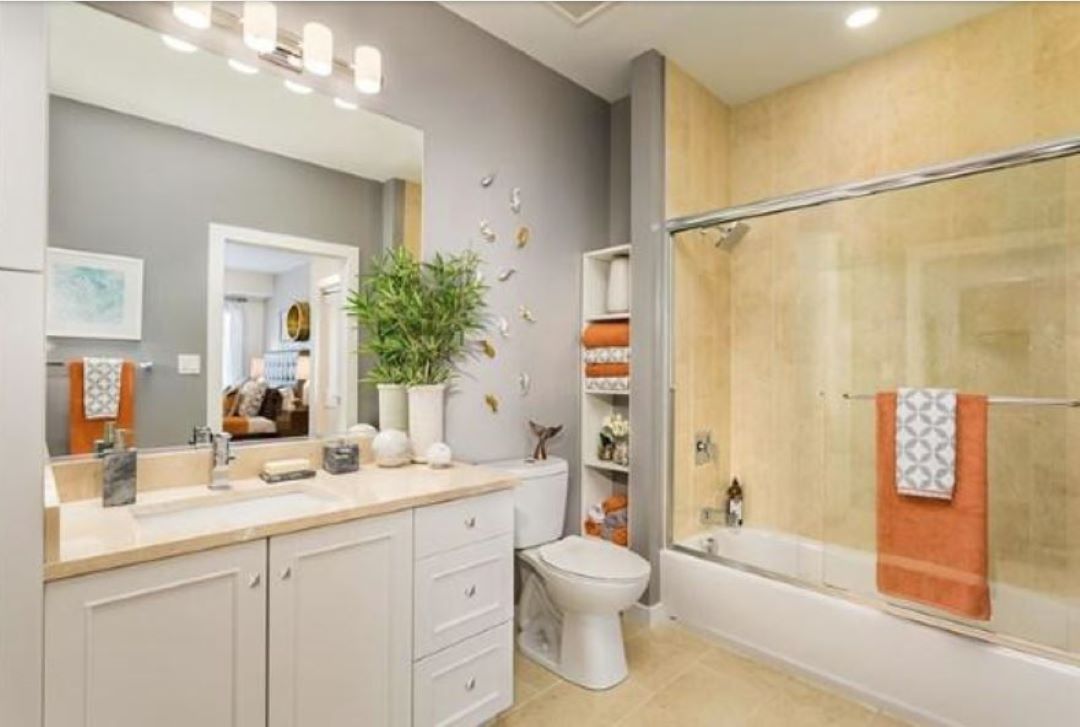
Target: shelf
594, 392
607, 466
608, 317
605, 254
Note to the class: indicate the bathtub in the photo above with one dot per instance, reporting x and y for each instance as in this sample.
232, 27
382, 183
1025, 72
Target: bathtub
929, 674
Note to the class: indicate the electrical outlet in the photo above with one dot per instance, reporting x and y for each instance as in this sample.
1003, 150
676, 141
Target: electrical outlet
704, 449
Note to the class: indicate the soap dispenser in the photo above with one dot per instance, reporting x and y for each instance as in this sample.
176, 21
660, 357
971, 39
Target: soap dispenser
734, 506
120, 468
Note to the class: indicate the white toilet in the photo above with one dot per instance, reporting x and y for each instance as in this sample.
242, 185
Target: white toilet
574, 588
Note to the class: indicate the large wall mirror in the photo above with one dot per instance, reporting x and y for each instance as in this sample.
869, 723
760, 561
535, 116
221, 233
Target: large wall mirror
207, 218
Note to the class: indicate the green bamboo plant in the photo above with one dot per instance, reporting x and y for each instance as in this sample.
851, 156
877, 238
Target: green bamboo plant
417, 318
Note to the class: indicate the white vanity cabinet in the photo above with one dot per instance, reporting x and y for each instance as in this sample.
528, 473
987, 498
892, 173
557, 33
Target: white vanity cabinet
341, 624
170, 643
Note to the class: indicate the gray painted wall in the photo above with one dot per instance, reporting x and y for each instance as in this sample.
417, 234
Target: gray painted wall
123, 185
619, 174
485, 107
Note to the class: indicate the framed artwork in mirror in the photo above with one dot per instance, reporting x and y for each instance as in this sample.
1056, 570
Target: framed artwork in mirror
93, 295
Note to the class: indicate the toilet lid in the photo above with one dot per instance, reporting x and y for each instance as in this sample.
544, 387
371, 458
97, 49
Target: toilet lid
594, 558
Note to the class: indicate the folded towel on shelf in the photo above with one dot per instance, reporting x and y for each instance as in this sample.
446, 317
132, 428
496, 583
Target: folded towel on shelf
606, 370
926, 442
608, 354
930, 550
608, 334
608, 383
84, 430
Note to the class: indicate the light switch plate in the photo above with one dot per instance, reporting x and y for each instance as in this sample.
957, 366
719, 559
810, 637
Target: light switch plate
189, 364
704, 449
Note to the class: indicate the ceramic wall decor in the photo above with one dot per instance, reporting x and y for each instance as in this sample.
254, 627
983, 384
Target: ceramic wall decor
487, 347
522, 236
515, 200
486, 231
487, 180
526, 314
524, 383
543, 434
506, 273
492, 402
504, 326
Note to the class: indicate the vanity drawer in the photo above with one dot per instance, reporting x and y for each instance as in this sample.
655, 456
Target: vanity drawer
453, 524
467, 684
461, 593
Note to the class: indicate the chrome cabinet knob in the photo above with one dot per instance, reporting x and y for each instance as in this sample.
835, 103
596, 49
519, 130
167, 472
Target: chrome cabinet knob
470, 522
255, 580
287, 573
470, 685
470, 591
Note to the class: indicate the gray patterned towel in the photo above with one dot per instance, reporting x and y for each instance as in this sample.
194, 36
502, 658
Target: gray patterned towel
101, 387
926, 442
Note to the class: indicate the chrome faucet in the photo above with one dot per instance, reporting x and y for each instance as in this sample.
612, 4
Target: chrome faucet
219, 472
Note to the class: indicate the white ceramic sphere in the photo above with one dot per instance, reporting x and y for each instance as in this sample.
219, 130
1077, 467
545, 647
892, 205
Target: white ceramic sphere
439, 455
392, 448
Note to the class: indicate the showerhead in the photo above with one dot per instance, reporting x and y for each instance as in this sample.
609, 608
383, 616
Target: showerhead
730, 233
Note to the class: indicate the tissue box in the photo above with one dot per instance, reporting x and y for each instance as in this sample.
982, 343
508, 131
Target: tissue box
341, 457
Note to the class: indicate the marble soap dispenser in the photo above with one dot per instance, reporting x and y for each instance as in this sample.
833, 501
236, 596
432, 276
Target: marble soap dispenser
120, 467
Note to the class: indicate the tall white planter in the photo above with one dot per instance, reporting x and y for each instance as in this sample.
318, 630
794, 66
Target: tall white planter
427, 405
393, 407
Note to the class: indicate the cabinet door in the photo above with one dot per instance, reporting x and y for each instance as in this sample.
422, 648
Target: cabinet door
341, 625
171, 643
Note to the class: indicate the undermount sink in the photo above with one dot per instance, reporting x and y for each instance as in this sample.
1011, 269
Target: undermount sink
230, 510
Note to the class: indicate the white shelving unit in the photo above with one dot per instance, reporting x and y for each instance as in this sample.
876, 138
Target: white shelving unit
599, 480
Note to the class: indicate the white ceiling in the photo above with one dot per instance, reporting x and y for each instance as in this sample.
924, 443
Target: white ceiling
103, 60
739, 50
258, 259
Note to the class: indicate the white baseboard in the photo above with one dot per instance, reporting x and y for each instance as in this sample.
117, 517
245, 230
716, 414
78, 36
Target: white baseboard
650, 616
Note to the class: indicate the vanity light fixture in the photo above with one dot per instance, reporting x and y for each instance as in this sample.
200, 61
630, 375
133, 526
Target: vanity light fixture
862, 17
181, 46
241, 67
260, 26
297, 87
345, 104
318, 49
367, 67
193, 13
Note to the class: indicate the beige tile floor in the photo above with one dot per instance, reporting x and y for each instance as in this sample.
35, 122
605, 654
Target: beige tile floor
679, 679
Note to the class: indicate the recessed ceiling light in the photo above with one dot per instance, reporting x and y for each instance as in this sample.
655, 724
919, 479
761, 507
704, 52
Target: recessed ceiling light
345, 104
193, 13
241, 67
297, 87
862, 17
178, 45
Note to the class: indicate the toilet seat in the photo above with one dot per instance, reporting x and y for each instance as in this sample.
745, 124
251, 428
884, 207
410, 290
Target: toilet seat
594, 559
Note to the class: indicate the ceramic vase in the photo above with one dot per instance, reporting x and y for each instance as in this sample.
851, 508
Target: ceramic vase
618, 287
393, 407
427, 406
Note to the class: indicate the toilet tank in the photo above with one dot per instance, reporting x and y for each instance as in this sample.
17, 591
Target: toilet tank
540, 499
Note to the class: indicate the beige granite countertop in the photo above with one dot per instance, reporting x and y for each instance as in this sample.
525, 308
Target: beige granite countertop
94, 538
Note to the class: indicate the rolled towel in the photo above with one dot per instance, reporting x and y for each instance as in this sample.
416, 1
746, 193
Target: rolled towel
593, 529
607, 370
621, 536
616, 519
596, 513
608, 334
615, 502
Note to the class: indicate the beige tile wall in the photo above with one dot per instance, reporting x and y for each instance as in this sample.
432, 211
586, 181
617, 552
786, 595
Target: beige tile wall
973, 283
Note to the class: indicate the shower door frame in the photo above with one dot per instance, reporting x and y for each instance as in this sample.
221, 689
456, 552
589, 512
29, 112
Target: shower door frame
970, 166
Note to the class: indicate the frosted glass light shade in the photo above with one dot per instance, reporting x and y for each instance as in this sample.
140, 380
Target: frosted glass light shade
367, 67
193, 13
318, 49
260, 26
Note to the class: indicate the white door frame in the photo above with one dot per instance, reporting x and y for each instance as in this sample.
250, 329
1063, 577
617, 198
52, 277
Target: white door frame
219, 235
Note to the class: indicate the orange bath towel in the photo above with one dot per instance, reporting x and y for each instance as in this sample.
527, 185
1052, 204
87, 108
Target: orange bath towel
606, 370
609, 334
82, 431
935, 552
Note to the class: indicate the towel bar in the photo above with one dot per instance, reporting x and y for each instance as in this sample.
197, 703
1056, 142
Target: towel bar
1009, 400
